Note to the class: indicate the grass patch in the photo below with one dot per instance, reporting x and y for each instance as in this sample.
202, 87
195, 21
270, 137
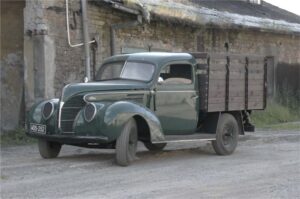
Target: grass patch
275, 115
16, 137
284, 126
3, 177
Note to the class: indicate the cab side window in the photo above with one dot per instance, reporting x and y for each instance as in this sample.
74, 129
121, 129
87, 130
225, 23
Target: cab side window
176, 74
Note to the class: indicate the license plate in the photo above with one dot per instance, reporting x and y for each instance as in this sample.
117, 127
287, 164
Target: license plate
37, 128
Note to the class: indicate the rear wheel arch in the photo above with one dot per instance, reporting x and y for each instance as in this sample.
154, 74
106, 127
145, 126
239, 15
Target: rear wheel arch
239, 119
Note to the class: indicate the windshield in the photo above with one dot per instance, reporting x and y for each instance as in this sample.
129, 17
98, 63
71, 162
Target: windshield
128, 70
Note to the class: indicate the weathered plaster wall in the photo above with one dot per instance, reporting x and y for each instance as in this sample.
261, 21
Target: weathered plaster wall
11, 64
39, 51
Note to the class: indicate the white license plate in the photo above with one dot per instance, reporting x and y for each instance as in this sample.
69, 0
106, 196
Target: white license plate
37, 128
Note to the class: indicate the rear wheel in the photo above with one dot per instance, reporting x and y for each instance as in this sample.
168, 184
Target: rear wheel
227, 135
127, 144
49, 149
155, 147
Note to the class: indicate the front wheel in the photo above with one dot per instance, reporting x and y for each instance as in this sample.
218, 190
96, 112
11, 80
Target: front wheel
127, 144
227, 135
49, 149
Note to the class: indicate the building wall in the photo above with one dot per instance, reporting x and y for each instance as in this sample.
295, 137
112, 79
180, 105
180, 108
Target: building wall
11, 59
50, 63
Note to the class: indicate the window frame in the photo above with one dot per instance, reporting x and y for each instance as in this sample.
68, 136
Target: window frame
179, 84
125, 61
142, 62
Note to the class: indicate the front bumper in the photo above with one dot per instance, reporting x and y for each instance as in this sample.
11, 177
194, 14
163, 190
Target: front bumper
69, 138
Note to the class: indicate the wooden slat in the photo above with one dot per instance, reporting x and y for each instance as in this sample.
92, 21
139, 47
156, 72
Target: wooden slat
236, 99
217, 67
215, 56
216, 107
255, 93
237, 67
212, 95
236, 81
200, 55
217, 100
255, 105
236, 106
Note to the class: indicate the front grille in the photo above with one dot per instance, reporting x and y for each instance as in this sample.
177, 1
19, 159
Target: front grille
69, 112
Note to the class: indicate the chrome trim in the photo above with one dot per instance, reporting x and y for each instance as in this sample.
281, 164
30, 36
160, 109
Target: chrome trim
190, 140
190, 91
67, 133
63, 91
61, 104
123, 68
73, 108
94, 114
69, 137
67, 120
52, 110
109, 93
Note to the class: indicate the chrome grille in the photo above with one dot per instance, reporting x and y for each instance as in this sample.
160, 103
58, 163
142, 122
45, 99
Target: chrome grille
69, 112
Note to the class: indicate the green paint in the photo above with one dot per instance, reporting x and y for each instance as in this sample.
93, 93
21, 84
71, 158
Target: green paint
167, 109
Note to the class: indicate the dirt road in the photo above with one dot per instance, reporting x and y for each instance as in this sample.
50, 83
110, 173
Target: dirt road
265, 165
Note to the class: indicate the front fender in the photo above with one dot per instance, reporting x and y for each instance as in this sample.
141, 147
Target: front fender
117, 114
34, 115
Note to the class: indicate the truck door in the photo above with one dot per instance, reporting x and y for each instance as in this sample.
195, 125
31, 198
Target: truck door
177, 99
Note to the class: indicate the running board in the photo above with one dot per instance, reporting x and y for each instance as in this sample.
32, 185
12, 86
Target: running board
187, 138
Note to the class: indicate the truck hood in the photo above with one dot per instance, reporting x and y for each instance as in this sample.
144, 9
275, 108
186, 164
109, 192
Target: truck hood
112, 85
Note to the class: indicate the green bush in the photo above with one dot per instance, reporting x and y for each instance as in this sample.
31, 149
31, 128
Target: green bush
289, 99
17, 137
275, 113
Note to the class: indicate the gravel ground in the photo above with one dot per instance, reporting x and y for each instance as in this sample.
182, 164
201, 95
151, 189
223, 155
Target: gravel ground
266, 164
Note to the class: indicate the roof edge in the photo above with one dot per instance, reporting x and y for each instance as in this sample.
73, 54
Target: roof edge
186, 14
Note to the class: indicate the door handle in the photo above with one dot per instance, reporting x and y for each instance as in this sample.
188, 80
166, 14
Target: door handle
195, 97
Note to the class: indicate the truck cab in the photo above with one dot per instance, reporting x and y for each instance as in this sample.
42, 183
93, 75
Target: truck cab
155, 98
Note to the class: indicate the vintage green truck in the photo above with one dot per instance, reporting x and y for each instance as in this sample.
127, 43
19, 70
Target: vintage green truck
155, 98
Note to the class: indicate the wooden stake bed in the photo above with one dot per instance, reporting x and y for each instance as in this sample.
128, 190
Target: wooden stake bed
230, 82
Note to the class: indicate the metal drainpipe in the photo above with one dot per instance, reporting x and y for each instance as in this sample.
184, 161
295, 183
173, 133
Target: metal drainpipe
86, 40
115, 27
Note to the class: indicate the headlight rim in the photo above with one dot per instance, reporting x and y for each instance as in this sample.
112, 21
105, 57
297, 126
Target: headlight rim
51, 112
94, 113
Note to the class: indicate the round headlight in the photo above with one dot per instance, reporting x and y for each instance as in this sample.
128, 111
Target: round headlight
48, 110
90, 112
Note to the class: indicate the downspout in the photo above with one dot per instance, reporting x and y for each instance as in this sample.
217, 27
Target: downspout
115, 27
86, 40
85, 37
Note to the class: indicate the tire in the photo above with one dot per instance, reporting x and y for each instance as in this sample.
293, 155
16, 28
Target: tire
126, 145
155, 147
227, 135
49, 149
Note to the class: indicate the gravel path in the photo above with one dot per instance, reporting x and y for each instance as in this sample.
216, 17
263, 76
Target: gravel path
265, 165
